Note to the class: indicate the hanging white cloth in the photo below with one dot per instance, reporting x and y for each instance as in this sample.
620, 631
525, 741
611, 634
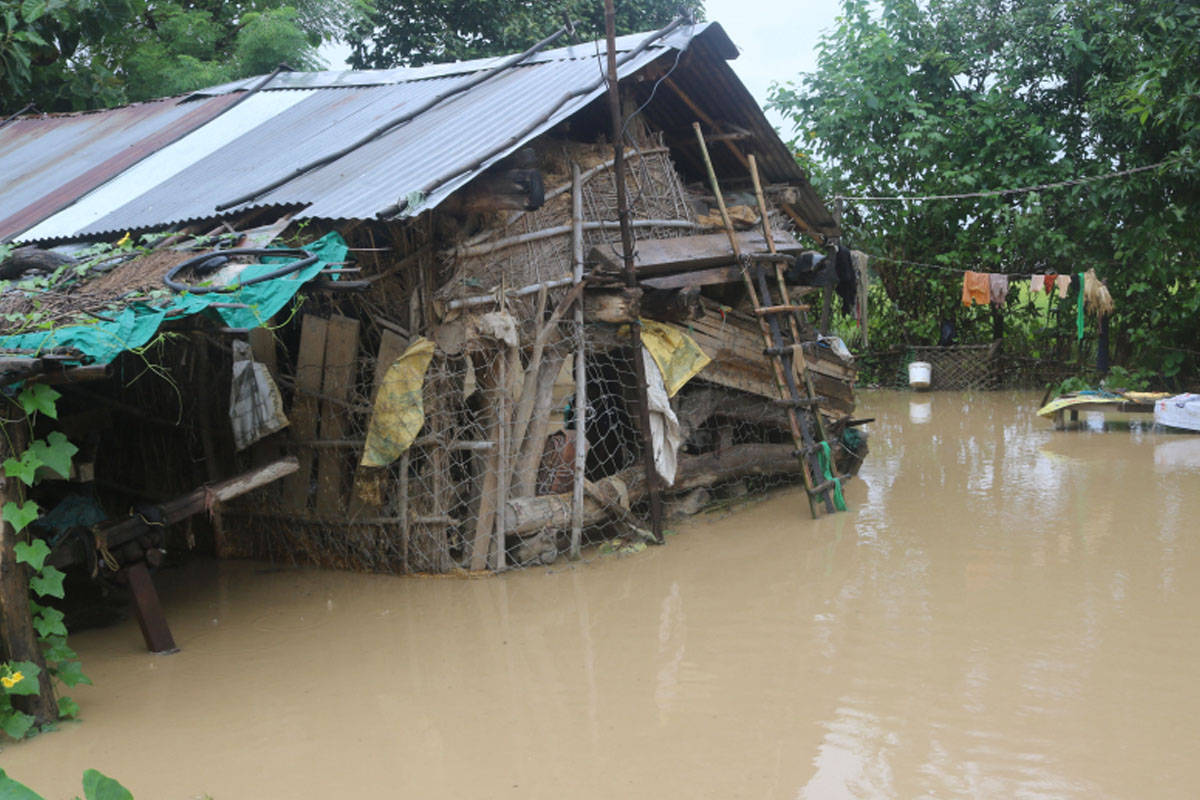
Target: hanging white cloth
664, 425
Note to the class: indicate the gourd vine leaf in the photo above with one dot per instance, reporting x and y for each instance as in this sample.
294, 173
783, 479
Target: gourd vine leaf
97, 786
38, 397
55, 453
48, 583
49, 622
22, 470
28, 685
32, 553
16, 724
71, 674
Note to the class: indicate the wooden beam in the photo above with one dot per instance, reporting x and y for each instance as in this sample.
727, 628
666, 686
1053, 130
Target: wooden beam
148, 609
709, 121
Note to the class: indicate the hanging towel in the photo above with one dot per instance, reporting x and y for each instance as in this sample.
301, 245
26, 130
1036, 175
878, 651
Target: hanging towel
1063, 282
976, 288
1050, 277
998, 285
1037, 282
1095, 295
1079, 309
665, 433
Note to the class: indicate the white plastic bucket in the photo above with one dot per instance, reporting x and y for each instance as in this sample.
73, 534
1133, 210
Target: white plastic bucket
919, 373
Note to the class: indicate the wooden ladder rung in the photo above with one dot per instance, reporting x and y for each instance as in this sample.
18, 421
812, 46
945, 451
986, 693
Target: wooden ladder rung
783, 309
821, 488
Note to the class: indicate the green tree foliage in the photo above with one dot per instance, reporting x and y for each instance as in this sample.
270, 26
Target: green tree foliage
955, 96
428, 31
47, 51
74, 54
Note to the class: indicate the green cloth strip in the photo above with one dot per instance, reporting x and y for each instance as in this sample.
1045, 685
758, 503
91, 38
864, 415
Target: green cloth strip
839, 502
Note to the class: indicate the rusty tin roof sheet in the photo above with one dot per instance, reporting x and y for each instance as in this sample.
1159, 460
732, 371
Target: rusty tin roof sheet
156, 165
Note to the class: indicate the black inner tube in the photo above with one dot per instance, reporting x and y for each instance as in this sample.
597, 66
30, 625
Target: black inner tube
304, 259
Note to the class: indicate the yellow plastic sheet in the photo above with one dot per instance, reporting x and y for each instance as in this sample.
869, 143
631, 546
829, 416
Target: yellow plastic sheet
399, 412
678, 356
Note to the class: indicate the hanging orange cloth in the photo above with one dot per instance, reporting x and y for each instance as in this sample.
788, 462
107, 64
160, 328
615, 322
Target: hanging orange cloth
976, 288
1050, 276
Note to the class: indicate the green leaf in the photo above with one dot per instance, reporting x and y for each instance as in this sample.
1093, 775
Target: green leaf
19, 516
54, 453
32, 9
71, 674
37, 397
22, 470
49, 622
33, 553
67, 708
16, 724
49, 583
57, 650
101, 787
28, 685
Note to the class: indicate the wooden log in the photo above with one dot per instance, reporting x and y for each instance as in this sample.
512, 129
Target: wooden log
180, 508
18, 640
485, 515
529, 457
532, 514
341, 351
310, 364
613, 306
673, 305
204, 426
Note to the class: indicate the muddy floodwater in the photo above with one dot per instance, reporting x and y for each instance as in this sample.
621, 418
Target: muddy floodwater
1007, 611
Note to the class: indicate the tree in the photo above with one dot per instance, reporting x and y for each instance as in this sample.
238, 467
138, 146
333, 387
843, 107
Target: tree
46, 50
955, 96
404, 33
93, 53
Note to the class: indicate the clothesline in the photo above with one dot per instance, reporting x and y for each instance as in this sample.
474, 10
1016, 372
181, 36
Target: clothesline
1002, 192
945, 268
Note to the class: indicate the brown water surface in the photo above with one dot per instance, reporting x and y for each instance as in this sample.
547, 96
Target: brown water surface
1007, 611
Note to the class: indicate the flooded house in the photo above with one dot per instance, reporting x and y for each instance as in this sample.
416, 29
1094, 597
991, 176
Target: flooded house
381, 320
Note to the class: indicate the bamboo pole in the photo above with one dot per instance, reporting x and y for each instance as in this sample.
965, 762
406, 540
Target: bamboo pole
580, 367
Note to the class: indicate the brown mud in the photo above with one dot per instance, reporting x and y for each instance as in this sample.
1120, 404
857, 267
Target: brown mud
1006, 611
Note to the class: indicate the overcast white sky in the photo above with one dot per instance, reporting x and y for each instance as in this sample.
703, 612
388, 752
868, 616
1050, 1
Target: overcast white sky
778, 39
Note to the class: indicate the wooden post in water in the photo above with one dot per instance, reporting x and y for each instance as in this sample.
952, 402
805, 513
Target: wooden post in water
614, 106
580, 366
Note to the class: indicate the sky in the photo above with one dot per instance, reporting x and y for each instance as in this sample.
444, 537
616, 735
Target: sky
778, 39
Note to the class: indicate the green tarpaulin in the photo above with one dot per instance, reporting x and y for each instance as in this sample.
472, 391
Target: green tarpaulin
102, 341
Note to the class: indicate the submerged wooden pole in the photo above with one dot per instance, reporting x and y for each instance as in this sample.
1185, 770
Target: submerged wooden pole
614, 106
580, 367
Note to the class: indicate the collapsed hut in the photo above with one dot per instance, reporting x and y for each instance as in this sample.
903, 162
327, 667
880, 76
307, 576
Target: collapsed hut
378, 320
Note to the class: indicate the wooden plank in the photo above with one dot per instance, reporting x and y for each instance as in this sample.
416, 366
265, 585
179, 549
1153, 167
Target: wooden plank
659, 256
310, 364
367, 496
485, 516
341, 351
702, 277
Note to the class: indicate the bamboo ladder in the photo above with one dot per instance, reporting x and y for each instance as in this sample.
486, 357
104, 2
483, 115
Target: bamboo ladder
787, 356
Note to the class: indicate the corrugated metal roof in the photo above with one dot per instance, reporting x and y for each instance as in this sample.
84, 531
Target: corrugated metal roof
193, 158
